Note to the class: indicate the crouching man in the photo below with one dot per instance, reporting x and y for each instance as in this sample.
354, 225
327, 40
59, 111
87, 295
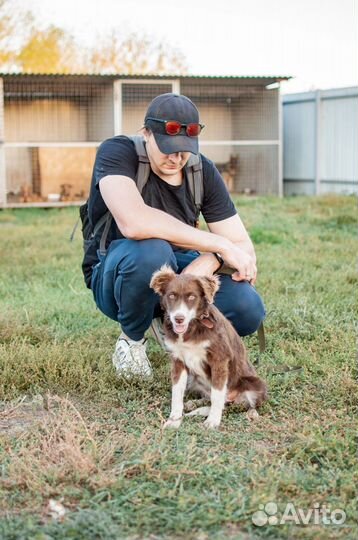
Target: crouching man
157, 225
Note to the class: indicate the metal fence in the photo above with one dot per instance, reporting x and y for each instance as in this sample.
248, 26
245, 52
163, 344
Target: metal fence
321, 142
52, 125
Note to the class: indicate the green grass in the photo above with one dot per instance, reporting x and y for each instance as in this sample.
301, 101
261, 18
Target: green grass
95, 443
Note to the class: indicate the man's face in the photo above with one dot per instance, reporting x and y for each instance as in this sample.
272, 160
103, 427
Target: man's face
165, 164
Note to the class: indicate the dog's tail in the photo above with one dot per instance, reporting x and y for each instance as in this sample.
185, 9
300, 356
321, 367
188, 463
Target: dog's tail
251, 392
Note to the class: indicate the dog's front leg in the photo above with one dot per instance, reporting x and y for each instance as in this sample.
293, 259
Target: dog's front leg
179, 381
218, 397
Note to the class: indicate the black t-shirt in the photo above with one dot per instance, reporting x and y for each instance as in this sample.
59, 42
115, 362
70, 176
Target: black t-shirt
117, 156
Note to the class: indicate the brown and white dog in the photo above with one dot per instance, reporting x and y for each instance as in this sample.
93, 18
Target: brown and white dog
208, 356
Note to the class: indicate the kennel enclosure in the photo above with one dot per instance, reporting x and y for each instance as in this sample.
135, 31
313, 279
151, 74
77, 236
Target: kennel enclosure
51, 126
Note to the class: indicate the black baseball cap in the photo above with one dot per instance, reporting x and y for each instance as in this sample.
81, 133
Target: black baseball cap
172, 107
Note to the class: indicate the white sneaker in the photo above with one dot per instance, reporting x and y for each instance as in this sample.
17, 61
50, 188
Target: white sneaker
130, 358
156, 331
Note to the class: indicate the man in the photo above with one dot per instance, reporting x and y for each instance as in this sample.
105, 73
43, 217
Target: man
158, 227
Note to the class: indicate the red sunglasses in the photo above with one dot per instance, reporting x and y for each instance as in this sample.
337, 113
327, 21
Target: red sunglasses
172, 127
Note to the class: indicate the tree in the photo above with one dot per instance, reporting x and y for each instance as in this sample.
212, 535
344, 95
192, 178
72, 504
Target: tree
9, 26
26, 48
48, 51
132, 55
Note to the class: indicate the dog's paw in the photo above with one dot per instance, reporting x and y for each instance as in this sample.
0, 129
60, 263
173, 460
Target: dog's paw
173, 423
252, 414
211, 423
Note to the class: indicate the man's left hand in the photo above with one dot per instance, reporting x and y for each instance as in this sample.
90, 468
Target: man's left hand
207, 264
204, 265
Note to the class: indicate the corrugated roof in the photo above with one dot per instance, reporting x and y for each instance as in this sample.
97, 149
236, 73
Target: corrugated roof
151, 76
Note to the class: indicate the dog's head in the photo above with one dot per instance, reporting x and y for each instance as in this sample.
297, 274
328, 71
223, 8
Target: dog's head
184, 297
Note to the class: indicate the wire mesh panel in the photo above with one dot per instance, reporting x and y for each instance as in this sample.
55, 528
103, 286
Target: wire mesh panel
232, 111
52, 126
135, 100
57, 109
241, 132
251, 169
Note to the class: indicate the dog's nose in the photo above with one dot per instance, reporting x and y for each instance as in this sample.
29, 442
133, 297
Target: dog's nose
179, 319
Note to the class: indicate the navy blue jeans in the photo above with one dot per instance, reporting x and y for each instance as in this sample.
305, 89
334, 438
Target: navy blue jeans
120, 285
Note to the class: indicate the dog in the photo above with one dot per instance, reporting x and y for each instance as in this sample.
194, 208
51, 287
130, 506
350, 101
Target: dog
208, 356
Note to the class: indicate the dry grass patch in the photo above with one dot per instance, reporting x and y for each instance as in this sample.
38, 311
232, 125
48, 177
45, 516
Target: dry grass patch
56, 448
20, 415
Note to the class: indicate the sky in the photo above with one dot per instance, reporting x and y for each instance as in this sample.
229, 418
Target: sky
314, 41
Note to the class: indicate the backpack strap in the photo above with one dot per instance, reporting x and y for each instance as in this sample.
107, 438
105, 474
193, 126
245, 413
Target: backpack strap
102, 220
194, 171
105, 220
142, 176
143, 170
193, 168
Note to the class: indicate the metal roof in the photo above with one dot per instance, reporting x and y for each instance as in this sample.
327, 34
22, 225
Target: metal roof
265, 79
328, 93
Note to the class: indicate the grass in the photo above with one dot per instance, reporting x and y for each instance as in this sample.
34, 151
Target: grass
72, 433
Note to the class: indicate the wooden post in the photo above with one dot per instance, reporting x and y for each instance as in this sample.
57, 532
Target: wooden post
2, 149
117, 106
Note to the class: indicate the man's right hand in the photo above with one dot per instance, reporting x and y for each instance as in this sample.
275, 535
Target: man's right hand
243, 264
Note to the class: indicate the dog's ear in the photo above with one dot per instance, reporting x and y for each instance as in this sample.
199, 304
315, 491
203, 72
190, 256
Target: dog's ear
161, 278
210, 286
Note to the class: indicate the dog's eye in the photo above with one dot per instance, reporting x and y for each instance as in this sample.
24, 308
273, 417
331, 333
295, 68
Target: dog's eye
191, 297
172, 296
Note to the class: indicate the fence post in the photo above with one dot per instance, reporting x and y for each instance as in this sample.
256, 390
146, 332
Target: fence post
318, 126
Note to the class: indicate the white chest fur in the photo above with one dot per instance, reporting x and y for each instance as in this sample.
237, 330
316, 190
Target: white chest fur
192, 354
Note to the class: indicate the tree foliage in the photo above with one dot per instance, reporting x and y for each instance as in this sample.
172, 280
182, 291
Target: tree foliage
133, 55
8, 30
26, 48
48, 51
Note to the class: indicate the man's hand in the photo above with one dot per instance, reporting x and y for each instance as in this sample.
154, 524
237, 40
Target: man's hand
204, 265
236, 249
242, 263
